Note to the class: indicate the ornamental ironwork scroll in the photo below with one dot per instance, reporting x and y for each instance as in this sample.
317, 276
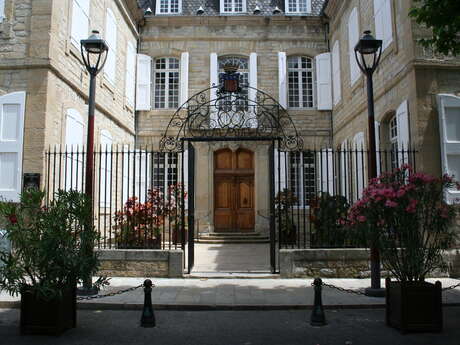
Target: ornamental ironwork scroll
249, 113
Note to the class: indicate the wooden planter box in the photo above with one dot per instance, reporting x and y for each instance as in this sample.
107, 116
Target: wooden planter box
414, 306
50, 317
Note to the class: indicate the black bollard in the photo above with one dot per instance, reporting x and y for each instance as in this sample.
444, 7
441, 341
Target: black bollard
317, 315
148, 317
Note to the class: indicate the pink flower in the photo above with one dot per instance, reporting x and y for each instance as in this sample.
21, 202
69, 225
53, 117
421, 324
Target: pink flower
390, 203
412, 207
361, 219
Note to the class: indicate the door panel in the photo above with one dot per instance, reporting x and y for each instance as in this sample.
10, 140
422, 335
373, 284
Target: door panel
223, 213
245, 203
234, 191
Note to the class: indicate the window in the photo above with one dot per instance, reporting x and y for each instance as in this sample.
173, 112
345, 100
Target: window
336, 78
168, 6
383, 22
449, 126
353, 38
164, 170
300, 82
243, 70
111, 39
298, 6
232, 6
302, 176
130, 81
166, 83
80, 21
393, 135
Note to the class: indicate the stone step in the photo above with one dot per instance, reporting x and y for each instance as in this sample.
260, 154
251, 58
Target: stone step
234, 237
224, 234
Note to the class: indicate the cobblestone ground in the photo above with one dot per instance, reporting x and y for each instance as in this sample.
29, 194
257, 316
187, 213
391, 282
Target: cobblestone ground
351, 327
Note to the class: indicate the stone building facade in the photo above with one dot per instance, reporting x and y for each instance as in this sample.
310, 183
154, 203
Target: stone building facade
44, 85
300, 52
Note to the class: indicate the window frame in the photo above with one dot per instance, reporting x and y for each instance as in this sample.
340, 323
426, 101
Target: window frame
168, 13
300, 173
167, 71
393, 140
232, 11
299, 71
297, 5
76, 43
244, 74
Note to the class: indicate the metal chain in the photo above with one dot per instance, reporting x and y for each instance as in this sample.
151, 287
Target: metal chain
358, 292
119, 292
451, 287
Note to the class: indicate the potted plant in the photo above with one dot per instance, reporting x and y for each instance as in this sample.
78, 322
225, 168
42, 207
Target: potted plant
405, 216
284, 202
47, 259
138, 224
328, 215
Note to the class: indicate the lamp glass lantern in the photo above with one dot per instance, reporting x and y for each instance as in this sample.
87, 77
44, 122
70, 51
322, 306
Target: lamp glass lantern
94, 52
370, 50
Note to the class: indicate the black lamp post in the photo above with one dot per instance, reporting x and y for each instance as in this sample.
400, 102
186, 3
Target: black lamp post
368, 52
94, 52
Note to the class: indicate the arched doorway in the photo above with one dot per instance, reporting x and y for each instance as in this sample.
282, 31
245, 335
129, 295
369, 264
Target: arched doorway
230, 113
234, 191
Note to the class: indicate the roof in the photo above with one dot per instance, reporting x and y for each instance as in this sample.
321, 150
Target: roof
211, 7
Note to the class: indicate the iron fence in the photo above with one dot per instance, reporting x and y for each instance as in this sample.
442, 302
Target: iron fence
141, 195
314, 189
139, 198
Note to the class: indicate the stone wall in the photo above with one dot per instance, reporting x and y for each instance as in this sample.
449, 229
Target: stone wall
344, 263
141, 263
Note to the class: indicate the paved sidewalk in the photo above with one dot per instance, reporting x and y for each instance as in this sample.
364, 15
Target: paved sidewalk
243, 294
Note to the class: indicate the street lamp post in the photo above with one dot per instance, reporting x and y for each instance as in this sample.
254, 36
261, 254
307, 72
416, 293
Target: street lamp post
94, 53
368, 52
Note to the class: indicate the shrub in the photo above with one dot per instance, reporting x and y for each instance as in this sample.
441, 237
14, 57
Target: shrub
404, 215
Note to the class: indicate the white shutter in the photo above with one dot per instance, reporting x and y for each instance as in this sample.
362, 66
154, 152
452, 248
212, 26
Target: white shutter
359, 164
130, 73
111, 39
377, 146
252, 94
325, 170
387, 24
353, 38
449, 125
282, 75
402, 120
280, 171
183, 79
344, 168
80, 21
127, 165
74, 142
213, 81
106, 168
11, 144
2, 9
336, 78
323, 81
378, 19
185, 177
144, 66
309, 6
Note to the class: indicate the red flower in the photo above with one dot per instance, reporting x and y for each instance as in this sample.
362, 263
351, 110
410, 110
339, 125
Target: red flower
13, 219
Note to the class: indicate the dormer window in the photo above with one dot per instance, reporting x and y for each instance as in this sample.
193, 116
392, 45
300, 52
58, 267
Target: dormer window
232, 6
298, 6
168, 7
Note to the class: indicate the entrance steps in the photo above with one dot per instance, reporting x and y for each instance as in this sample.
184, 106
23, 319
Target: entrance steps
232, 237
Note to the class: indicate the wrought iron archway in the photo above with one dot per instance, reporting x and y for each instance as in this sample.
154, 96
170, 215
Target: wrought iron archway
228, 112
216, 114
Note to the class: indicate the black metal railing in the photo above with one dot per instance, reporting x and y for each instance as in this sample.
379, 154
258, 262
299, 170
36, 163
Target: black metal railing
139, 198
315, 188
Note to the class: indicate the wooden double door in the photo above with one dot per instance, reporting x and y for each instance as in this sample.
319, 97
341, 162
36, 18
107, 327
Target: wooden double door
234, 191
